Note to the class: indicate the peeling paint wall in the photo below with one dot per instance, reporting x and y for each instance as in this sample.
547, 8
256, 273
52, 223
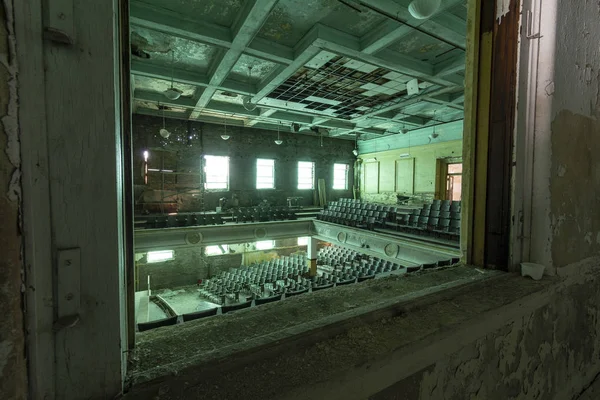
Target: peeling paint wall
551, 353
13, 379
565, 227
574, 95
510, 338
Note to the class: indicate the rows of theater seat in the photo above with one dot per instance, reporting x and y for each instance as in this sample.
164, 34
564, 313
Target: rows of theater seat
172, 221
364, 266
353, 212
256, 280
441, 218
263, 214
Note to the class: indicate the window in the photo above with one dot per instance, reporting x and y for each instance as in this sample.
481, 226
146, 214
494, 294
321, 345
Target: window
340, 176
265, 245
303, 241
454, 182
216, 250
306, 175
216, 170
265, 174
159, 256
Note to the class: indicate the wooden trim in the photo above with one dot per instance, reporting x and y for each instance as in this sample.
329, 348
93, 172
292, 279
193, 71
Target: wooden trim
489, 125
501, 137
127, 155
37, 228
481, 150
471, 131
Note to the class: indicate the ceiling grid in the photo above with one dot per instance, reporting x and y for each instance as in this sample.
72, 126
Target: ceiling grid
370, 69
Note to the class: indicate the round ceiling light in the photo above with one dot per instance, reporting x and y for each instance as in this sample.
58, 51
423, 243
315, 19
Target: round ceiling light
172, 93
423, 9
248, 104
278, 142
225, 137
164, 133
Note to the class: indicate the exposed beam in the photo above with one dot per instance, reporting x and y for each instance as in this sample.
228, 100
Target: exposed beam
394, 105
171, 23
402, 118
447, 100
142, 68
178, 25
304, 52
383, 36
252, 17
256, 115
451, 66
368, 131
347, 45
264, 112
156, 97
392, 30
444, 26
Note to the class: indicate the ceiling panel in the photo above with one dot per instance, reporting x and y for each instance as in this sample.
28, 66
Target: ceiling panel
160, 85
220, 12
260, 69
162, 49
421, 46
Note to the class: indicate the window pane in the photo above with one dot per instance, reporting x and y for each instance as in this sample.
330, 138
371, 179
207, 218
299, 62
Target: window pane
306, 175
303, 241
455, 168
216, 250
265, 174
340, 176
265, 245
216, 171
158, 256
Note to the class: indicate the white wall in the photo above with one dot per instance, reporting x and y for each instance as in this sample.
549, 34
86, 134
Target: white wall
562, 107
390, 164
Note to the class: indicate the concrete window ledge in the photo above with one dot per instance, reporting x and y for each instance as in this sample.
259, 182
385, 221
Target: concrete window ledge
384, 338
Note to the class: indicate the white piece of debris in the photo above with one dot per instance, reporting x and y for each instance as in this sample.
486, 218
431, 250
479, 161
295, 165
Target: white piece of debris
535, 271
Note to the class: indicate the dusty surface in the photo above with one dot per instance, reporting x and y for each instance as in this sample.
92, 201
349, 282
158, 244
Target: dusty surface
12, 357
160, 351
333, 361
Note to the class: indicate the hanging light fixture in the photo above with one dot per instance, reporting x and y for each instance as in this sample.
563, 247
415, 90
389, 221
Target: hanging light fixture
247, 100
433, 135
163, 131
278, 141
355, 151
225, 136
172, 93
423, 9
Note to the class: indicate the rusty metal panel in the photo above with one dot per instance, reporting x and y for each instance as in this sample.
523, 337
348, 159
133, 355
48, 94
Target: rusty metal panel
502, 125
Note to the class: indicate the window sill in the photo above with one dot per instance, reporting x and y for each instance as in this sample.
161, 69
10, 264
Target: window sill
306, 319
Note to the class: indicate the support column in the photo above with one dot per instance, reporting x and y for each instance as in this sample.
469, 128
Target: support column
312, 256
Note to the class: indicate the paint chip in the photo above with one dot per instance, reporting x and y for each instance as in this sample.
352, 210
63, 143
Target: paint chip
502, 8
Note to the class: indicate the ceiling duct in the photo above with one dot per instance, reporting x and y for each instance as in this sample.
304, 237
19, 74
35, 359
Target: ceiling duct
423, 9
